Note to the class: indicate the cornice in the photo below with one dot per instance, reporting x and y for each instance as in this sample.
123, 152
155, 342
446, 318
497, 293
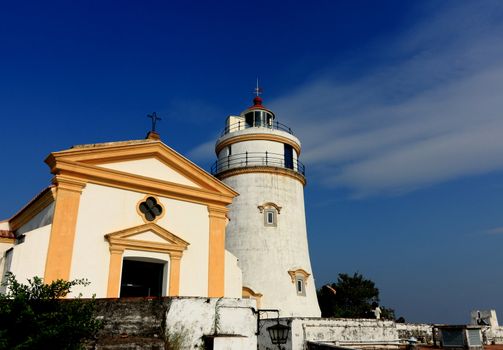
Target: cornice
117, 152
102, 176
33, 208
302, 272
263, 170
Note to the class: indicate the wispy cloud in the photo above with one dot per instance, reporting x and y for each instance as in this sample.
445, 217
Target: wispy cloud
495, 231
432, 112
429, 108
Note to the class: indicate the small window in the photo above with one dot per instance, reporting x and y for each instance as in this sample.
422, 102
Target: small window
299, 280
151, 209
270, 217
300, 285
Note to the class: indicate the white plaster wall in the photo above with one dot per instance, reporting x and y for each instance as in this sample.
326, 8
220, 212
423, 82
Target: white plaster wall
150, 167
29, 257
343, 331
43, 218
4, 225
233, 277
106, 210
193, 318
266, 254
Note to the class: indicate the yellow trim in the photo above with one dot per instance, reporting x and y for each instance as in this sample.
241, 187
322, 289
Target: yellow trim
120, 151
174, 275
258, 136
295, 273
124, 239
7, 240
142, 184
34, 207
114, 272
262, 170
60, 250
216, 263
143, 215
248, 293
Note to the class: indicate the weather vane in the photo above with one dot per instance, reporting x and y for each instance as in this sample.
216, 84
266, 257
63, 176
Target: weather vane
257, 90
154, 118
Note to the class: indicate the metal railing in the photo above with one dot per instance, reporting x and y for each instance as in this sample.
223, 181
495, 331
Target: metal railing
241, 125
249, 159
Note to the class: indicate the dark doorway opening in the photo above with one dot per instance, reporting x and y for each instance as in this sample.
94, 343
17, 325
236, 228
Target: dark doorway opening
141, 279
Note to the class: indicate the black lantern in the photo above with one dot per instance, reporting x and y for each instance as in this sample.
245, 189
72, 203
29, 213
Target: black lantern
278, 333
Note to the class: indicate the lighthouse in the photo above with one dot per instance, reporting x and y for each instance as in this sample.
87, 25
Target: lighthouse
259, 158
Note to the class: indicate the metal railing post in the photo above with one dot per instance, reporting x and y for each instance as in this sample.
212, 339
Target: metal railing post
246, 158
266, 160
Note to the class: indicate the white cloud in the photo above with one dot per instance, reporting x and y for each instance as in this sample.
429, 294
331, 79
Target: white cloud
433, 113
203, 152
495, 231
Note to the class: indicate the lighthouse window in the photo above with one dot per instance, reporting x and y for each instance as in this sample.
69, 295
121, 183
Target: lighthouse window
258, 118
270, 217
249, 119
299, 281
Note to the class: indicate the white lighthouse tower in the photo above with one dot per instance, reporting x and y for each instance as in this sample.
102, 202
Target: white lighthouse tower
258, 157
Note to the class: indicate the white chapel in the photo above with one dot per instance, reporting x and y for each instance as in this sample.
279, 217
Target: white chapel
136, 218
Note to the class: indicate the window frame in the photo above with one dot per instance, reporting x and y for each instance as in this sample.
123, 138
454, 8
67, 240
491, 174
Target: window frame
274, 213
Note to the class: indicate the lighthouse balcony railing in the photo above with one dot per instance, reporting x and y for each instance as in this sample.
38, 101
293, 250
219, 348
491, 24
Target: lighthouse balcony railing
251, 159
242, 125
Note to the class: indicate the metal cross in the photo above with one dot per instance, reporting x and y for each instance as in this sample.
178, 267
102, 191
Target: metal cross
154, 118
257, 90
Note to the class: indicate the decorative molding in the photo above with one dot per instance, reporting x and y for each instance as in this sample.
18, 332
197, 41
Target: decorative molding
7, 240
261, 170
249, 293
124, 239
269, 205
299, 272
255, 137
137, 183
93, 155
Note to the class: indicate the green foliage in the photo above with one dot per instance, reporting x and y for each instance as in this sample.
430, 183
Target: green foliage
353, 298
34, 316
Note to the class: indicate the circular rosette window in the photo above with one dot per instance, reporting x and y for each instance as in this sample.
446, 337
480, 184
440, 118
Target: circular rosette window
150, 208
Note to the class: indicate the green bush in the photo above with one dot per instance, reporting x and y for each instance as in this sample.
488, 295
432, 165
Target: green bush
35, 316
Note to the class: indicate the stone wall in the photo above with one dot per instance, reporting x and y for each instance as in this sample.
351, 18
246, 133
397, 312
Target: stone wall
176, 323
367, 333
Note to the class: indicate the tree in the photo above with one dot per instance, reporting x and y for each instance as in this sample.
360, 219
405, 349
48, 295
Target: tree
351, 297
34, 316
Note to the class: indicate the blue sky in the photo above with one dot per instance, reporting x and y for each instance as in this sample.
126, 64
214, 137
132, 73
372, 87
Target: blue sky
398, 106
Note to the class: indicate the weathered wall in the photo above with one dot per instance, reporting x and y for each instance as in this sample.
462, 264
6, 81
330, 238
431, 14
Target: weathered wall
344, 332
266, 253
184, 322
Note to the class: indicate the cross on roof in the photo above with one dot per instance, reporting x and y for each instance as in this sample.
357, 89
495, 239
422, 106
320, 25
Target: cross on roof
154, 118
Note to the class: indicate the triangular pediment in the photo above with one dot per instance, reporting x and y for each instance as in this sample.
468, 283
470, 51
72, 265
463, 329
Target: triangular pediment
145, 160
151, 237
